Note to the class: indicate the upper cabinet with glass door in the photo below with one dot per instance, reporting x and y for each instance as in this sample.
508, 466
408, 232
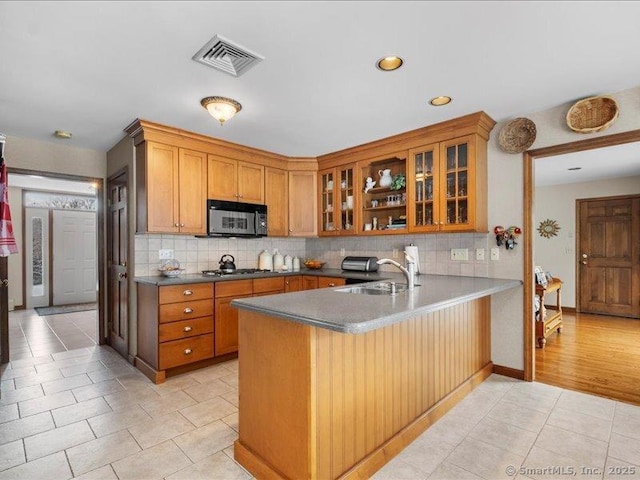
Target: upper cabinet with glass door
337, 201
448, 187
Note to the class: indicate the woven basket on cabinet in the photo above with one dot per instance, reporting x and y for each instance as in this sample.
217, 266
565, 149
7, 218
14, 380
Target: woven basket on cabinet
592, 114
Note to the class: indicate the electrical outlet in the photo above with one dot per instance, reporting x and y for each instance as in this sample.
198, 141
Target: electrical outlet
495, 253
342, 252
395, 253
459, 254
165, 254
479, 253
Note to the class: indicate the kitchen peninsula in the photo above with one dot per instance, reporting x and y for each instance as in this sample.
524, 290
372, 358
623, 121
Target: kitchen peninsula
333, 384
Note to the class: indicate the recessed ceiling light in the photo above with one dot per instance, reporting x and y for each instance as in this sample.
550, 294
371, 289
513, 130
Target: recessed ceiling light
62, 134
440, 101
390, 63
575, 168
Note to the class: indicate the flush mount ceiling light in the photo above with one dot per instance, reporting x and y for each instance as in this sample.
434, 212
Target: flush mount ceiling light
221, 108
440, 101
390, 63
62, 134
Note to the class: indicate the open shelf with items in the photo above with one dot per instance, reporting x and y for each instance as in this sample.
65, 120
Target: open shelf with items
383, 208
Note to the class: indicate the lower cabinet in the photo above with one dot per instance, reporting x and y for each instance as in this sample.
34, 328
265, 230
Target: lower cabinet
175, 327
179, 325
226, 317
310, 282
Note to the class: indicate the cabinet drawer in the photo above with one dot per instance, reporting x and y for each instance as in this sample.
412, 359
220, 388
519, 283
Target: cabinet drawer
324, 282
181, 352
181, 293
262, 285
186, 310
185, 328
234, 288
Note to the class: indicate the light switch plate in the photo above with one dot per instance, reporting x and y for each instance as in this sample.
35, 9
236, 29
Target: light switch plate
395, 253
165, 254
460, 254
479, 253
495, 253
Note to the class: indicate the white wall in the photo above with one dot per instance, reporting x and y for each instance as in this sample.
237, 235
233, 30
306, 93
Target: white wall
506, 208
558, 202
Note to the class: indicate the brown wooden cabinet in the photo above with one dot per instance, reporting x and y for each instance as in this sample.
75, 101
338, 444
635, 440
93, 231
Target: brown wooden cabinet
310, 282
337, 205
276, 195
447, 188
302, 203
235, 180
226, 316
293, 284
171, 188
175, 327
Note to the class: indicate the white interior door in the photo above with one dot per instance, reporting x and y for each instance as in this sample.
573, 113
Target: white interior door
74, 257
36, 243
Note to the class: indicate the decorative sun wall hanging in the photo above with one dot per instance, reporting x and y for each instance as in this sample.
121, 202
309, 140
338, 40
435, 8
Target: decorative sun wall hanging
548, 228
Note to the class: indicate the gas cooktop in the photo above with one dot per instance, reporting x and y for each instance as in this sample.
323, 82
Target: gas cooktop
237, 271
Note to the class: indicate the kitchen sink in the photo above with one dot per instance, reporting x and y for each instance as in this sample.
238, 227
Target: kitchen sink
383, 288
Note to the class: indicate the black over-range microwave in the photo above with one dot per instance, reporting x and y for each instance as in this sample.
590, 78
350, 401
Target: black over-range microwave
235, 219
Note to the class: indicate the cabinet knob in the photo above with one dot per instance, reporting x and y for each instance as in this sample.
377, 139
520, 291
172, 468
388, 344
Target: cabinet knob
176, 225
240, 195
290, 231
187, 292
187, 328
188, 351
182, 224
188, 310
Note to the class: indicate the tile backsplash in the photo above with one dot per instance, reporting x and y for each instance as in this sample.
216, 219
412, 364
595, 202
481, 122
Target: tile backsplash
197, 254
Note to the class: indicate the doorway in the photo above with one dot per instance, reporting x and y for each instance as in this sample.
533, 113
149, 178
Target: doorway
18, 275
530, 226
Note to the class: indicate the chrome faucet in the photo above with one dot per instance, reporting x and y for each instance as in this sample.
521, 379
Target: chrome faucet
409, 271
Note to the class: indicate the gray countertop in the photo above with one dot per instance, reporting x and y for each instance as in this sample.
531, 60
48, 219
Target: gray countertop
325, 272
357, 313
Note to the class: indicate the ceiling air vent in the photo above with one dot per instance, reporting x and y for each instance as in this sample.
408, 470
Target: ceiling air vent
223, 54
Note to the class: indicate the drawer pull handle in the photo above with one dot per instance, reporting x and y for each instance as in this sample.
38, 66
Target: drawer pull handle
332, 284
187, 328
187, 292
188, 351
188, 310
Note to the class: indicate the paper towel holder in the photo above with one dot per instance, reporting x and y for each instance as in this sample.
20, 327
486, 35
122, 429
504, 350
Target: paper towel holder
414, 254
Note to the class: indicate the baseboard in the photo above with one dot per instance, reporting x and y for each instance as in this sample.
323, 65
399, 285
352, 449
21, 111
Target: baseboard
571, 310
508, 372
131, 359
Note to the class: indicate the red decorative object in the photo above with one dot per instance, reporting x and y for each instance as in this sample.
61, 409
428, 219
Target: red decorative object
507, 236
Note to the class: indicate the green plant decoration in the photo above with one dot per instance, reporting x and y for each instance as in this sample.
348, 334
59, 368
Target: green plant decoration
399, 182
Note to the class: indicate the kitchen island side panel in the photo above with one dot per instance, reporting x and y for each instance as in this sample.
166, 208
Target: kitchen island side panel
357, 393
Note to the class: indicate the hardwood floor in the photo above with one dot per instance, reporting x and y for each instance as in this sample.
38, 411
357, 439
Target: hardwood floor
596, 354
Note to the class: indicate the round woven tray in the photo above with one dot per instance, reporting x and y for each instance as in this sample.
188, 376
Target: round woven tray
517, 135
592, 114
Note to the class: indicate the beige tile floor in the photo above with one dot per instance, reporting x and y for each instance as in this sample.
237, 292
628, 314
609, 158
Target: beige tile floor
31, 335
88, 414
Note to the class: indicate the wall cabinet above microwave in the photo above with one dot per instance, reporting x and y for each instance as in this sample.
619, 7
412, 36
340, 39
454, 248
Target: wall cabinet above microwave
235, 181
171, 189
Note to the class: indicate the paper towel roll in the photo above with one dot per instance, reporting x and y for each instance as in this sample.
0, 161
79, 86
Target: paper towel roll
413, 251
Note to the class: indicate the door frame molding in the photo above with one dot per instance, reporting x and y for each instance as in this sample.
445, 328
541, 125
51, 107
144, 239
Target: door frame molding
529, 228
100, 231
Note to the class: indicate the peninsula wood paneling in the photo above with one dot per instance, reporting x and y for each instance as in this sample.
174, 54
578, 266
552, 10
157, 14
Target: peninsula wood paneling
356, 392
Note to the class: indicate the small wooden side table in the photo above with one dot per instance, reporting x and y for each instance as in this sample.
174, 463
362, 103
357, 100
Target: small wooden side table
545, 326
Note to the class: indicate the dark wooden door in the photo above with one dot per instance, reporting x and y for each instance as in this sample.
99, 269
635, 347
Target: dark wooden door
609, 256
117, 261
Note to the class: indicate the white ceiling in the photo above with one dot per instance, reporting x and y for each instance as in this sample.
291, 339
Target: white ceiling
597, 164
93, 67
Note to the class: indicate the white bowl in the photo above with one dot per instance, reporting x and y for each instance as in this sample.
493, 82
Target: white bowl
172, 273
